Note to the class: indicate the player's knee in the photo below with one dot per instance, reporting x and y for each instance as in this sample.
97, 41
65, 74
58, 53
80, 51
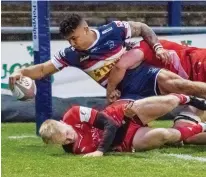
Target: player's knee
171, 100
162, 135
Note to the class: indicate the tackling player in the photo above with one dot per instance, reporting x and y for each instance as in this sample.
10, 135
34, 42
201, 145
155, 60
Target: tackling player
133, 76
188, 62
87, 131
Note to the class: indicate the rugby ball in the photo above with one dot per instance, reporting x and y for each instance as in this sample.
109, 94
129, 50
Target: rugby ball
24, 89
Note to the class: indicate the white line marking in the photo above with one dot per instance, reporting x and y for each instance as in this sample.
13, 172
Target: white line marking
22, 136
187, 157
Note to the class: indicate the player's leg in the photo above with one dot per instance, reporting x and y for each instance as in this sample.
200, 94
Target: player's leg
151, 108
189, 116
202, 115
149, 138
169, 82
197, 139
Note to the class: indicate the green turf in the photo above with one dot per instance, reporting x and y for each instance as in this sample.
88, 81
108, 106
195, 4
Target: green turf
29, 157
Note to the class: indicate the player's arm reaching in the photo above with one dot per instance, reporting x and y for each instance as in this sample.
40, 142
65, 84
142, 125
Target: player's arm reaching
34, 72
60, 60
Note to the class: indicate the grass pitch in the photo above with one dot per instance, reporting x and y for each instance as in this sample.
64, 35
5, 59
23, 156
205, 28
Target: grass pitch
29, 157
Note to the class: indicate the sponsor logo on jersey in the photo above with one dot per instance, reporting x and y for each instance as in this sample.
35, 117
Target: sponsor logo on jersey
101, 72
83, 58
101, 69
110, 44
94, 49
107, 30
85, 113
153, 70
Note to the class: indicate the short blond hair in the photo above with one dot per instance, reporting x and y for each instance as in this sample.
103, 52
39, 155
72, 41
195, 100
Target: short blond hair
48, 130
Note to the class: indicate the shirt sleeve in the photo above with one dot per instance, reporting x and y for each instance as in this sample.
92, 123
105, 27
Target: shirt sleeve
87, 114
66, 57
106, 123
80, 114
123, 28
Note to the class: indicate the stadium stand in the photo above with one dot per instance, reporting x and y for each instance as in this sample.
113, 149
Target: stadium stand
154, 13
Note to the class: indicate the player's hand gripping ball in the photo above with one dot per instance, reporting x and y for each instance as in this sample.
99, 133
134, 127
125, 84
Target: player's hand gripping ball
24, 89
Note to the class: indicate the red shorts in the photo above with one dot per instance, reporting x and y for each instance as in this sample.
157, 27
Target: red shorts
198, 64
126, 145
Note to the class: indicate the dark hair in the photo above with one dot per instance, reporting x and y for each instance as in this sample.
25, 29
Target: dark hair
69, 24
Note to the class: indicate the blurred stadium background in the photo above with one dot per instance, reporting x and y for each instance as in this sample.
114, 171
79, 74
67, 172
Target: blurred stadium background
22, 153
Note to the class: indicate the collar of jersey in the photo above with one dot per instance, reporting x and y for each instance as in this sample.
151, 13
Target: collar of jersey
98, 35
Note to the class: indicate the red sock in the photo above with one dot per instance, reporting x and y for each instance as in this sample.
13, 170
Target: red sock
183, 98
187, 132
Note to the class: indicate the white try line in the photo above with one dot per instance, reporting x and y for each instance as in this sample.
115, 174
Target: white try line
187, 157
22, 137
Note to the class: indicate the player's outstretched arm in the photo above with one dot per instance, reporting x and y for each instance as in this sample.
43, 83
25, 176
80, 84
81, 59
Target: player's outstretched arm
141, 29
34, 72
